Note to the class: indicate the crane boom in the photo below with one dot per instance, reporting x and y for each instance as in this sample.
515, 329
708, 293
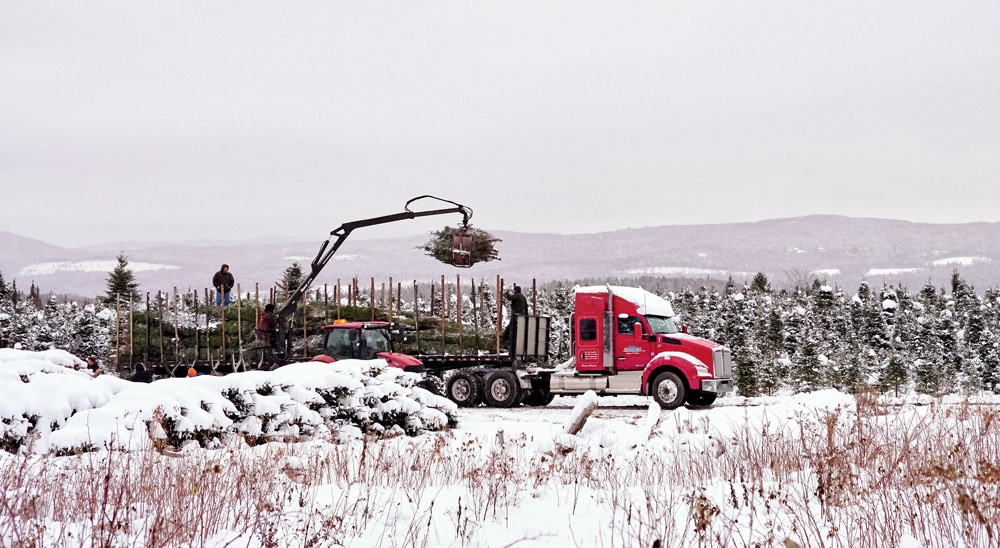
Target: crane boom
326, 252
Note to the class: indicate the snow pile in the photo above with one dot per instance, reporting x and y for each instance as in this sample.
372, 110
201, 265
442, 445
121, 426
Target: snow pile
47, 406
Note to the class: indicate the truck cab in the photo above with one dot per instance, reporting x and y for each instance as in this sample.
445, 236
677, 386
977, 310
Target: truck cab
628, 341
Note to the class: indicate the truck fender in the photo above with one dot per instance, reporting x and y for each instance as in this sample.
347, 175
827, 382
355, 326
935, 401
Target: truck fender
324, 358
689, 367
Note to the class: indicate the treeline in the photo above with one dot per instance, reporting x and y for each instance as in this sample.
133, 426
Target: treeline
934, 341
889, 339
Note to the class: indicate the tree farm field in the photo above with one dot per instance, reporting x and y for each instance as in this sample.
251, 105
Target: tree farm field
811, 469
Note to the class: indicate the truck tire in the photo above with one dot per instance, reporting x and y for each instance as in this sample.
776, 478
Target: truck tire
699, 398
502, 389
668, 390
433, 384
539, 397
465, 389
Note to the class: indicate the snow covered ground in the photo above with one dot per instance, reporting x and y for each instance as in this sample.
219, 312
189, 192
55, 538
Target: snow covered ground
42, 269
818, 469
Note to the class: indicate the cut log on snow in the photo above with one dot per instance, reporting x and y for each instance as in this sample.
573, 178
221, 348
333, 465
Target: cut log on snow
585, 406
652, 419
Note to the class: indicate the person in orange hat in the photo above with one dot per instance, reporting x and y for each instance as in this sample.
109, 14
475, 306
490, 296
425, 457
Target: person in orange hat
192, 372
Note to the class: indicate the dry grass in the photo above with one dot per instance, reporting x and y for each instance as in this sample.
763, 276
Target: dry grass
863, 476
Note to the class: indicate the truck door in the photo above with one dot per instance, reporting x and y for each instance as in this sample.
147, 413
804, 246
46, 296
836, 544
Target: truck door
589, 343
632, 352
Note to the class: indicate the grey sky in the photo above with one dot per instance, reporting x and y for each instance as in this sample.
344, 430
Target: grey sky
175, 121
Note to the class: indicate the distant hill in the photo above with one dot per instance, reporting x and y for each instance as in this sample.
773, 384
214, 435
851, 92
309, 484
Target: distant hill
836, 250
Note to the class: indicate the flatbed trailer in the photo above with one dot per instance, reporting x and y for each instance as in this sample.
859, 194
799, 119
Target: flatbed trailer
501, 379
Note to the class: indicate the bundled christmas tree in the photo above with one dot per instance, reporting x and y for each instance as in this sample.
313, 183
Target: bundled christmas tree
477, 246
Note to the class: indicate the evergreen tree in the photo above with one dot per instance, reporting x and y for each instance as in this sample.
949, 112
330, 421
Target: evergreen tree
807, 369
4, 290
894, 375
291, 278
121, 282
760, 283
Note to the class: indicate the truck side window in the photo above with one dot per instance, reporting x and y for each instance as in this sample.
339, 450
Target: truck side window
626, 326
588, 329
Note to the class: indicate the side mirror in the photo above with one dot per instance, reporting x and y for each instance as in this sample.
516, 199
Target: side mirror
684, 329
637, 330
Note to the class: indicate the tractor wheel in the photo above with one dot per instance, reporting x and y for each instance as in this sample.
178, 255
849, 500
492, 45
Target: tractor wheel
668, 390
433, 384
539, 397
502, 389
699, 398
465, 389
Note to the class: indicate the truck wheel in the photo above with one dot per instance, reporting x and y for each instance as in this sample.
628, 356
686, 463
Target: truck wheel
698, 398
465, 389
668, 390
539, 397
433, 384
502, 389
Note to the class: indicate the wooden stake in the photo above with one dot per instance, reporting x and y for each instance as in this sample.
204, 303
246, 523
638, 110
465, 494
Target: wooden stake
416, 314
159, 309
118, 330
499, 310
458, 307
443, 316
222, 312
390, 299
475, 311
197, 339
208, 338
371, 299
534, 297
177, 338
305, 324
145, 352
131, 331
239, 319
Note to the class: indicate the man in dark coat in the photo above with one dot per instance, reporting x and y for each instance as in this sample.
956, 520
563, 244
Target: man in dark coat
223, 283
518, 307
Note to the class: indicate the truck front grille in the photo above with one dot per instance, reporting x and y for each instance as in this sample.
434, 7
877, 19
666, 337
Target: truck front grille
722, 362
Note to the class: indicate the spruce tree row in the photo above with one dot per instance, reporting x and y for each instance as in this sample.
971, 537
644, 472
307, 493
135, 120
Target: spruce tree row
888, 339
932, 342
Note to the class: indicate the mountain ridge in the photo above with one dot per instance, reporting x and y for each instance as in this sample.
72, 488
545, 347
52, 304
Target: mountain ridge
835, 249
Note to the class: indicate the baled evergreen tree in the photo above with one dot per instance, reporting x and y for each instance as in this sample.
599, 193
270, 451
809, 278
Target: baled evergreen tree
121, 283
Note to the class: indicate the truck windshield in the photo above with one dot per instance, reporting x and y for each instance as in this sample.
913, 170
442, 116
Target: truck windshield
662, 324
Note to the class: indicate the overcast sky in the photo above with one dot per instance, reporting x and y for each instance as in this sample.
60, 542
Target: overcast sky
177, 121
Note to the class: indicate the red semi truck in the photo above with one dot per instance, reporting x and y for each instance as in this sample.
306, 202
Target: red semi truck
625, 341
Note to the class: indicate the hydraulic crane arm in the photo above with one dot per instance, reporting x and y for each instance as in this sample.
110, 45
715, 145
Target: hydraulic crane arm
326, 252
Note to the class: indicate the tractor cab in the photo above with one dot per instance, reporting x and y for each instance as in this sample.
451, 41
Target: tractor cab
345, 340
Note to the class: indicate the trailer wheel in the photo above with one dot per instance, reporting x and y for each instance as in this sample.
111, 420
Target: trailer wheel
699, 398
502, 389
465, 389
539, 397
668, 390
